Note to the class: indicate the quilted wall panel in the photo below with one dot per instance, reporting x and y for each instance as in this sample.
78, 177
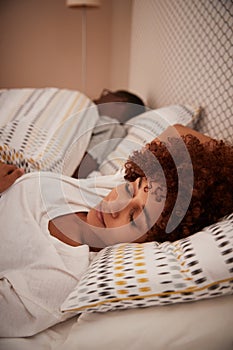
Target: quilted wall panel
182, 53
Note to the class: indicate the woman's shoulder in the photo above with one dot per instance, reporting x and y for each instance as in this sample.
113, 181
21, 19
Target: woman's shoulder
177, 130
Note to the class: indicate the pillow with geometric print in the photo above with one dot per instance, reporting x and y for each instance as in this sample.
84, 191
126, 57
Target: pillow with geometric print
134, 275
9, 155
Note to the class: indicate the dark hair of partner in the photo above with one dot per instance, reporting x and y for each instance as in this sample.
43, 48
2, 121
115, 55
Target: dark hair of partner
211, 190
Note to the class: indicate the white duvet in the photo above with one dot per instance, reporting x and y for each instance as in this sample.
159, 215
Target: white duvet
203, 325
51, 127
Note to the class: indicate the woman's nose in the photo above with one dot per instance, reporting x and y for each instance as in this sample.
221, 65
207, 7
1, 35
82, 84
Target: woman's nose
115, 214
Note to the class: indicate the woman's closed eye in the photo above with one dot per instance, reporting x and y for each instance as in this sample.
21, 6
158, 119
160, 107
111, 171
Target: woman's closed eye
129, 189
131, 217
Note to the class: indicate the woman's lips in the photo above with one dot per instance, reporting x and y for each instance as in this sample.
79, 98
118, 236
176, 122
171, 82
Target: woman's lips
100, 216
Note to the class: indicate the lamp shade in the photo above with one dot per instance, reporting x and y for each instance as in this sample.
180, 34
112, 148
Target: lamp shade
88, 3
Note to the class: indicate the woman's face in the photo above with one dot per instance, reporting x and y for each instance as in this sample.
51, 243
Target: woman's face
128, 211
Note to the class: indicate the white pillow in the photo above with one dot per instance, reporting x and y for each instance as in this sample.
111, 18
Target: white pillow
144, 128
134, 275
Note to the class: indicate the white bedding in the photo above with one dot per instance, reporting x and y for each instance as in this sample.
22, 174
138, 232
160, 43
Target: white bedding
200, 325
203, 325
51, 127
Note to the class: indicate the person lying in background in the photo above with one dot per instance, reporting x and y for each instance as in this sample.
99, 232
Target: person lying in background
115, 109
8, 175
120, 105
175, 186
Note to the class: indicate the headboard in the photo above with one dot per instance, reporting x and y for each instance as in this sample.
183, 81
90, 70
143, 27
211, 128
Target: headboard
181, 53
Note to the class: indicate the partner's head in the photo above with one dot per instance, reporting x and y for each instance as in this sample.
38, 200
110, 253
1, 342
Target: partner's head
121, 105
174, 189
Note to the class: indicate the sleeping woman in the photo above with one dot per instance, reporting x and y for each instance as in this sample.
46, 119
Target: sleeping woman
172, 188
175, 186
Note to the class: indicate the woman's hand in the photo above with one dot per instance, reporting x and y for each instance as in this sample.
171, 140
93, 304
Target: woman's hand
8, 175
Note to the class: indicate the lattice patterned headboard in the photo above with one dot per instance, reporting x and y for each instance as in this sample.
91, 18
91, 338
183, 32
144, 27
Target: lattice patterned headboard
182, 53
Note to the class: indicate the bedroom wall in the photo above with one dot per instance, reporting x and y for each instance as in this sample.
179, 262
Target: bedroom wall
41, 45
121, 37
181, 53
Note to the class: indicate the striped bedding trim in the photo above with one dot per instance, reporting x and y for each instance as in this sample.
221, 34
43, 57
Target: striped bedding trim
51, 127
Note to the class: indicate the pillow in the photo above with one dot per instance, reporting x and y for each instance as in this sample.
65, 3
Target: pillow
49, 126
144, 128
9, 155
134, 275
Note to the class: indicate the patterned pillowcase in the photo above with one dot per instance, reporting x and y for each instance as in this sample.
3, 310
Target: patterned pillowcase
141, 275
144, 128
9, 155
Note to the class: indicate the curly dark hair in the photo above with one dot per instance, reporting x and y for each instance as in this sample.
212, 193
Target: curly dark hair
201, 177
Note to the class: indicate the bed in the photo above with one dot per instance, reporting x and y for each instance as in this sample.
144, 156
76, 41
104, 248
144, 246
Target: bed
56, 125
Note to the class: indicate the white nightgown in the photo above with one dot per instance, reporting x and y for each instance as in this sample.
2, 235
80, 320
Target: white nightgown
37, 271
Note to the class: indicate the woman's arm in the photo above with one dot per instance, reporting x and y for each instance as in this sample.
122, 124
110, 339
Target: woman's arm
54, 231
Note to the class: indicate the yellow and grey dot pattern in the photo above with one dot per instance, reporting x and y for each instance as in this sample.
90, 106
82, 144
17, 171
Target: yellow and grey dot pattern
9, 155
140, 275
